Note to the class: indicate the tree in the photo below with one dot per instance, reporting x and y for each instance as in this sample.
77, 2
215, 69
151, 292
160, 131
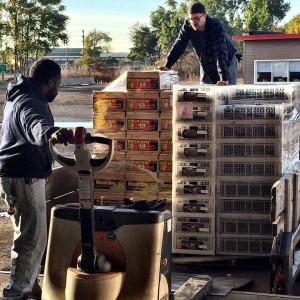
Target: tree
257, 16
277, 10
144, 44
32, 29
166, 23
293, 26
95, 43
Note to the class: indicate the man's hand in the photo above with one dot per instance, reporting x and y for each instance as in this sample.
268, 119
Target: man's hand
222, 82
63, 136
163, 69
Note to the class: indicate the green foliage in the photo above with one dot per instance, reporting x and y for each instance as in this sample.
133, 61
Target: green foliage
166, 23
95, 43
257, 16
277, 10
227, 11
145, 44
108, 61
31, 29
293, 26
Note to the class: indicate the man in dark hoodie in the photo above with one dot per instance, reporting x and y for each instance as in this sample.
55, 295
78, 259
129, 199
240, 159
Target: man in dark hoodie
25, 167
216, 54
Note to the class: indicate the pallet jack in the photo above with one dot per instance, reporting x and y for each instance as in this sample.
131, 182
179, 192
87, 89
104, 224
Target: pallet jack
104, 252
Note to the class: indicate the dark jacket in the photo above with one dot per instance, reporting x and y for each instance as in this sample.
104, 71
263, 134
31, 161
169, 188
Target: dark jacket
27, 123
212, 47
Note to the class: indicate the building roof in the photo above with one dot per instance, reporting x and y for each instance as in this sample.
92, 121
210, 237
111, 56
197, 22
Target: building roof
76, 52
274, 36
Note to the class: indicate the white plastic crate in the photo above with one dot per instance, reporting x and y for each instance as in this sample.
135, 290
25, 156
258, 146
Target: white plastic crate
237, 149
248, 225
193, 205
239, 168
192, 186
193, 244
193, 168
194, 225
245, 188
244, 206
261, 92
193, 111
193, 149
238, 130
248, 112
191, 131
196, 93
255, 93
231, 245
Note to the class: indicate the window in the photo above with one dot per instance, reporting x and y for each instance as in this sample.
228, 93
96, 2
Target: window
294, 71
280, 71
277, 71
264, 73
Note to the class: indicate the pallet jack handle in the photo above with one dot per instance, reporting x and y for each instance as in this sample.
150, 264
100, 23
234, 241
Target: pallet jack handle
89, 261
83, 160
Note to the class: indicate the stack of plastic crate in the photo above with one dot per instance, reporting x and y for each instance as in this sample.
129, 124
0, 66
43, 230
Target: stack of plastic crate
193, 190
257, 140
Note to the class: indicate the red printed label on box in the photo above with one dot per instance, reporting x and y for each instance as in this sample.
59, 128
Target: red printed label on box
142, 164
142, 83
144, 125
142, 145
111, 124
111, 103
142, 104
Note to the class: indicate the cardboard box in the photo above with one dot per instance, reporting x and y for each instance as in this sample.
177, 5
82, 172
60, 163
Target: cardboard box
147, 80
110, 121
143, 142
142, 162
142, 100
142, 121
166, 101
108, 101
166, 121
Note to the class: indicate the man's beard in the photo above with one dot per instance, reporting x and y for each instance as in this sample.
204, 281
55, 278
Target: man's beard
51, 96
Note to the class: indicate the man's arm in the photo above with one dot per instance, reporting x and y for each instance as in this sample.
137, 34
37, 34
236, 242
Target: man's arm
178, 48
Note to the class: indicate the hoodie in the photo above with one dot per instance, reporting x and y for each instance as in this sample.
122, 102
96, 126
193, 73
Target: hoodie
27, 125
212, 47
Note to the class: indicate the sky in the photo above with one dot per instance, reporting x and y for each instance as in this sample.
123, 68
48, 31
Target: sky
116, 17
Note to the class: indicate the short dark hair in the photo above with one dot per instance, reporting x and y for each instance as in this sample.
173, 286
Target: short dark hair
197, 7
43, 70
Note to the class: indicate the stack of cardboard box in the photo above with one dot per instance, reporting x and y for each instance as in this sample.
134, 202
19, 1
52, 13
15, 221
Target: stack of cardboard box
139, 119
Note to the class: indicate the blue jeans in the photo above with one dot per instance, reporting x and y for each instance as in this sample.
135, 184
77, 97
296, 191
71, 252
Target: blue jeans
30, 232
232, 73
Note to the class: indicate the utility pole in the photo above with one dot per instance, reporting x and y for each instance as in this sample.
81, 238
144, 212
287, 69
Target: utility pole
83, 42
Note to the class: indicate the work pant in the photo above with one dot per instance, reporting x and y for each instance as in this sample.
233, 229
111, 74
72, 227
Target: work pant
232, 73
30, 231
